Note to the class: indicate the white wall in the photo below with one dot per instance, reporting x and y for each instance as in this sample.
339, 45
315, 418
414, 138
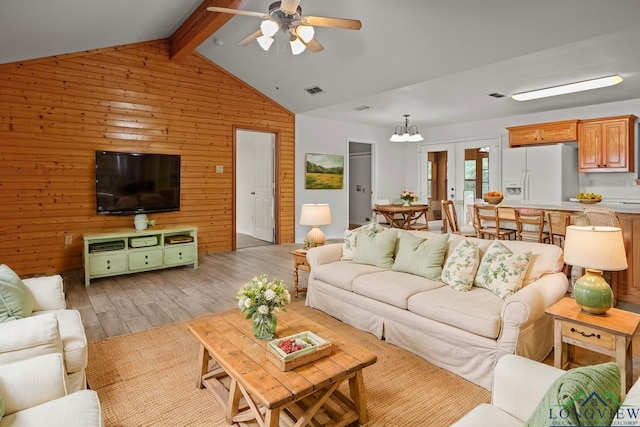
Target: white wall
332, 137
397, 167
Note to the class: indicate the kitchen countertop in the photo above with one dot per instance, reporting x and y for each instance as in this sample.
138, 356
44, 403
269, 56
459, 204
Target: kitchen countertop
631, 206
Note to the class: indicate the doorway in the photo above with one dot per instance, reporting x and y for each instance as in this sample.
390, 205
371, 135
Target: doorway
360, 183
255, 188
465, 169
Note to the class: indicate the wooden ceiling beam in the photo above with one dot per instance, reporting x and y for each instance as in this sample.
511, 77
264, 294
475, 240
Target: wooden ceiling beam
200, 26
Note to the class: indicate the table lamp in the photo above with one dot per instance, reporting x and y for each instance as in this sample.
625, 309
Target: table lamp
315, 215
597, 249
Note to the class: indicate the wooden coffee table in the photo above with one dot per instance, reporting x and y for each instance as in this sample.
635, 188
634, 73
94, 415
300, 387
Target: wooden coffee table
250, 386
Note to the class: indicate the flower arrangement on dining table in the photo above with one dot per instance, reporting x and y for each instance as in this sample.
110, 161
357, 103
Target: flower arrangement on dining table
261, 299
408, 197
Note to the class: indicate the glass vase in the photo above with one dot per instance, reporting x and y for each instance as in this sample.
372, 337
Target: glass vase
264, 326
406, 203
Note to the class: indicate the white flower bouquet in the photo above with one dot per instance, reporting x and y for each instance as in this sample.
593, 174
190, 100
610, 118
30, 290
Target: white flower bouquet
263, 297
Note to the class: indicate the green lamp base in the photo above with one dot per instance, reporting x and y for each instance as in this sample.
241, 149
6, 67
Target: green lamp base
592, 293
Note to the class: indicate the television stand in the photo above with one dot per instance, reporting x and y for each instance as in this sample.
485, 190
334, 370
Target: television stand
128, 250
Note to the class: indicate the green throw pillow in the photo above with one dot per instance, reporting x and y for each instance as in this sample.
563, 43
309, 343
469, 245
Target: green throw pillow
419, 256
461, 266
501, 271
16, 300
586, 396
376, 248
1, 408
351, 237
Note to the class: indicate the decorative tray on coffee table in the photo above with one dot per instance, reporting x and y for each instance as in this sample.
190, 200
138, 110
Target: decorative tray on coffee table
312, 348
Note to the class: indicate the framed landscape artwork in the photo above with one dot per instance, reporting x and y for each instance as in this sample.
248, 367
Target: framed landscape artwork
324, 171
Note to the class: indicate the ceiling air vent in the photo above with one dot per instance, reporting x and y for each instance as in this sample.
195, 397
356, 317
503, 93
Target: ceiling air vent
496, 95
314, 90
361, 108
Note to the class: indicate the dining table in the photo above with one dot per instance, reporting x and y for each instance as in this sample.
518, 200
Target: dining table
406, 217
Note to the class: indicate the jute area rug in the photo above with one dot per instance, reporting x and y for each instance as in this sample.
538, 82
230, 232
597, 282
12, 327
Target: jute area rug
149, 379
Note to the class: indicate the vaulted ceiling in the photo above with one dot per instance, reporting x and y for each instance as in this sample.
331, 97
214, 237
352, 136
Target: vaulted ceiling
436, 60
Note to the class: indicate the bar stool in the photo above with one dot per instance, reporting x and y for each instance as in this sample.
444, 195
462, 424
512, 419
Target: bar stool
603, 217
450, 220
530, 225
487, 223
558, 222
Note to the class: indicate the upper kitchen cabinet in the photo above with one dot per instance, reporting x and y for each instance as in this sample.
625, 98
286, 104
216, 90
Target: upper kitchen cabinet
606, 144
543, 133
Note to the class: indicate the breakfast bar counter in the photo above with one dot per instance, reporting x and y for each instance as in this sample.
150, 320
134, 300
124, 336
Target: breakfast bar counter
626, 284
628, 207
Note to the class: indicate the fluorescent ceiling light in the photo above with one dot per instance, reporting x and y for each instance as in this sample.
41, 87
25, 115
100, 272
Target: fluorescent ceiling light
568, 88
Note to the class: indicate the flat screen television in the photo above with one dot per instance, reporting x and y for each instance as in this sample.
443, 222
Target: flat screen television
135, 183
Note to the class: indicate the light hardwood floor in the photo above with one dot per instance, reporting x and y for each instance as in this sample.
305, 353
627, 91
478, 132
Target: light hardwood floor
131, 303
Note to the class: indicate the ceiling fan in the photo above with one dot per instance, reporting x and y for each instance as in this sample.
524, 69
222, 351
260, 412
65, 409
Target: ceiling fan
286, 16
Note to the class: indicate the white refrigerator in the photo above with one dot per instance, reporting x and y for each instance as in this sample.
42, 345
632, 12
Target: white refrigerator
546, 174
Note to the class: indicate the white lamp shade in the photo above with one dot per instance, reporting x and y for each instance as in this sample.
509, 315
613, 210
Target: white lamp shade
265, 42
595, 247
305, 32
297, 47
315, 214
269, 28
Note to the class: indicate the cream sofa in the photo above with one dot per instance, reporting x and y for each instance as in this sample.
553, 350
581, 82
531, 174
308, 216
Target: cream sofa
34, 393
463, 332
51, 328
519, 385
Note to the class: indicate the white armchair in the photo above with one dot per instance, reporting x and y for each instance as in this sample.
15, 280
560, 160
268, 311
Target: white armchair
519, 384
34, 394
50, 329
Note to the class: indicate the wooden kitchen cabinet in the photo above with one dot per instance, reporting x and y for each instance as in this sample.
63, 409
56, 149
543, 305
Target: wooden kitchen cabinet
543, 133
607, 144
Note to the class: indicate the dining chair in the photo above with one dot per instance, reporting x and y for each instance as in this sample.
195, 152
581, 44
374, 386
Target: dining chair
435, 220
450, 220
487, 223
530, 225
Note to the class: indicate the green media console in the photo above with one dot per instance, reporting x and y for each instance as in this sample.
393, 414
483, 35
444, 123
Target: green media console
129, 250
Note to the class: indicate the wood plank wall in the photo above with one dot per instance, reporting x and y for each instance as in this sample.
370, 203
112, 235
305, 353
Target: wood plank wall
56, 112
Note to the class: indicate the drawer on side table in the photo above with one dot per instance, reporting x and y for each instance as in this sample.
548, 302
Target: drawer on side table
107, 264
575, 332
145, 259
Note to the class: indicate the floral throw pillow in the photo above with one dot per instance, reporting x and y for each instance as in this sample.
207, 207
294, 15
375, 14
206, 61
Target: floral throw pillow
351, 237
459, 270
502, 271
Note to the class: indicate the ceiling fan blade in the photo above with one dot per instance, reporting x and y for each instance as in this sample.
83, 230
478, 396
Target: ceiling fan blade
313, 45
322, 21
238, 12
247, 40
289, 6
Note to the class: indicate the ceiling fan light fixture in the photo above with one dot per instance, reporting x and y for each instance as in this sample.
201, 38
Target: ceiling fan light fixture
269, 28
305, 32
297, 47
568, 88
265, 42
406, 133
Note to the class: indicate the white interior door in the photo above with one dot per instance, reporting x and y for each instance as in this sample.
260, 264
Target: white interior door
263, 206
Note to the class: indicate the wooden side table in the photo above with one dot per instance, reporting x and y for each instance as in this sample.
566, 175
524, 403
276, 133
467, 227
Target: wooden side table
299, 263
610, 334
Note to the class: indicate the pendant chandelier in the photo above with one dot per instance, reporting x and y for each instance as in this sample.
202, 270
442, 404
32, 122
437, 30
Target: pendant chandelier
406, 133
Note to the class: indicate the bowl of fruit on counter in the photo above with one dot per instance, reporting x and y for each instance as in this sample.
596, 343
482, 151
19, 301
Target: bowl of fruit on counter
589, 198
493, 197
